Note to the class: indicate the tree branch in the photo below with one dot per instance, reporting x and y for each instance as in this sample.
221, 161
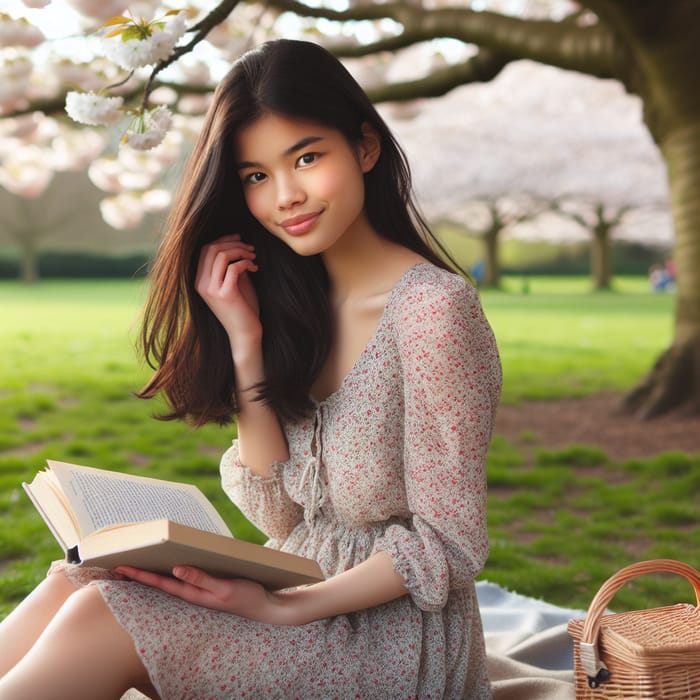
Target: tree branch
200, 31
56, 104
480, 68
588, 49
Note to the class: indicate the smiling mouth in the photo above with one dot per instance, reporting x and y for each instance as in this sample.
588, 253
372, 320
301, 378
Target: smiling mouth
297, 225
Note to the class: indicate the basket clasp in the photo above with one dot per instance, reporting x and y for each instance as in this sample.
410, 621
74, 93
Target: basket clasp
596, 671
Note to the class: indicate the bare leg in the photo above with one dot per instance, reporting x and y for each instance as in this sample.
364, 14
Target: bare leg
22, 627
83, 654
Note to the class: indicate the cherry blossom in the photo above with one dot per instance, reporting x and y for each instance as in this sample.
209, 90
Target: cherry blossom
91, 108
15, 72
104, 173
74, 150
35, 4
156, 200
86, 76
147, 130
25, 172
18, 32
99, 9
124, 210
133, 45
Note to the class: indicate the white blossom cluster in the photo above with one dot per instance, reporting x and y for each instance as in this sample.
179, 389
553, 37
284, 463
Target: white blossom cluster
148, 129
132, 45
130, 178
93, 109
134, 53
34, 147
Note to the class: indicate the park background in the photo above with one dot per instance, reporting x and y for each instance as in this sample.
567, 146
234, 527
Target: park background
518, 175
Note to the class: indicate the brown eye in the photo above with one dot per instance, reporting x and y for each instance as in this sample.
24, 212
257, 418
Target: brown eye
307, 159
254, 178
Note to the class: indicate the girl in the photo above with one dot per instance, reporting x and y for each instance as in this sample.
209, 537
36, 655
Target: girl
295, 289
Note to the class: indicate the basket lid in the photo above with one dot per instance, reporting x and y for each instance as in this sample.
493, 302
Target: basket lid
671, 628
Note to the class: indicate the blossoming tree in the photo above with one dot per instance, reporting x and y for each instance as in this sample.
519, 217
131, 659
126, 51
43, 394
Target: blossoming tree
649, 47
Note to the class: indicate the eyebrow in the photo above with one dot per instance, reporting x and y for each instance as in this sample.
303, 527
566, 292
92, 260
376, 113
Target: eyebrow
302, 143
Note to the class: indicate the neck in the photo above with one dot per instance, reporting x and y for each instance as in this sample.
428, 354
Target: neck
356, 262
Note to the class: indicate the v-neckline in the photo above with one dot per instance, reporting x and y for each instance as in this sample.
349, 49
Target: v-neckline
372, 338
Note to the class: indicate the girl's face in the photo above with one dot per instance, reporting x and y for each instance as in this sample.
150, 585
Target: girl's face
304, 182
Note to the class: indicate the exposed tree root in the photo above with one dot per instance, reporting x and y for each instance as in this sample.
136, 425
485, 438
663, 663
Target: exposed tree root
672, 385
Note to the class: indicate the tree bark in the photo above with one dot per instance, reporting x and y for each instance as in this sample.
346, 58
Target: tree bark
601, 258
674, 381
492, 265
29, 265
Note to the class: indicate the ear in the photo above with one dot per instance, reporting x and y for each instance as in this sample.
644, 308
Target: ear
369, 149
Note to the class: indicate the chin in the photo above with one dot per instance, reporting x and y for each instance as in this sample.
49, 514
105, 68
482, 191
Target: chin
305, 246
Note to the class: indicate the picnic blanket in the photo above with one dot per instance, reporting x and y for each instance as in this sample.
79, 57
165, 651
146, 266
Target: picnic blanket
530, 654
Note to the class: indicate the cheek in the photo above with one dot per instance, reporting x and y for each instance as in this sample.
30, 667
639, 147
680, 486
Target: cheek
345, 188
334, 182
256, 205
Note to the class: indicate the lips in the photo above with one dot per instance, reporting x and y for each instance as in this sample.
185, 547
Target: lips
298, 225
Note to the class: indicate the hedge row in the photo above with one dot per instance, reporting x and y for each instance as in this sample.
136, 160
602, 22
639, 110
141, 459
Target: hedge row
627, 259
80, 265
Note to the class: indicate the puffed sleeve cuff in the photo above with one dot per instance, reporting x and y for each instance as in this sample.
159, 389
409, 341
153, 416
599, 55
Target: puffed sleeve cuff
263, 500
421, 563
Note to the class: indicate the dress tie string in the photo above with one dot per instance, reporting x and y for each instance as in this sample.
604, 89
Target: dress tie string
311, 476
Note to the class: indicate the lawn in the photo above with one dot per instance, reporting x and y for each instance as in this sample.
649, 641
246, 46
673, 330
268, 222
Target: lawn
561, 521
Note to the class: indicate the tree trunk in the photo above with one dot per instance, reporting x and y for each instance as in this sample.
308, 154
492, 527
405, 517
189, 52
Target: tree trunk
674, 381
601, 258
29, 263
492, 266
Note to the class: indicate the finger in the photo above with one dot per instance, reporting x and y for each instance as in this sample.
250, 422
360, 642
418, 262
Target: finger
195, 577
225, 260
172, 586
234, 273
148, 578
211, 250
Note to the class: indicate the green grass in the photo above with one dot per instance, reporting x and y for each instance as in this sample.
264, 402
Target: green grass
561, 521
562, 340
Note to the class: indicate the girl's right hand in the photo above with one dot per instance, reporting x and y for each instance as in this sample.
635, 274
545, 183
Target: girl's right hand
223, 283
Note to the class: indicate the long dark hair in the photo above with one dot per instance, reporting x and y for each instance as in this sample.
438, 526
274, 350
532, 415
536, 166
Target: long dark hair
180, 337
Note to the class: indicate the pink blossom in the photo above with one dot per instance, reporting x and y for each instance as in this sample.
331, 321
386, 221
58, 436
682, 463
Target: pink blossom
18, 32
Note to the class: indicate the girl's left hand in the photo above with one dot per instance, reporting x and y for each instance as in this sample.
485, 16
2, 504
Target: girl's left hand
238, 596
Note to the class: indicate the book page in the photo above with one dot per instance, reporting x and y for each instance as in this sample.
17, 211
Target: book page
102, 498
45, 493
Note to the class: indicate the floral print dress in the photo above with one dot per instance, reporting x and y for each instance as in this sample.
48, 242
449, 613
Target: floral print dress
393, 461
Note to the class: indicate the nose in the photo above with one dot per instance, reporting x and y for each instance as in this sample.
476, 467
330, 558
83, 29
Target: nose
289, 193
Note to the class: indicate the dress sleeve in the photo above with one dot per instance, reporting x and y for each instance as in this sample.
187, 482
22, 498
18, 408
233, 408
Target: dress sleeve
452, 383
264, 501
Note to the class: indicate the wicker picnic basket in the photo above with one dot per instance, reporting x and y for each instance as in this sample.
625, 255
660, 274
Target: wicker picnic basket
640, 654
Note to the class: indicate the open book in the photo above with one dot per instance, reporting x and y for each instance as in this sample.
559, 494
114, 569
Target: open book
105, 518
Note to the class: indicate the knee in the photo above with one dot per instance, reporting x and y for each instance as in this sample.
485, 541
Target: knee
84, 605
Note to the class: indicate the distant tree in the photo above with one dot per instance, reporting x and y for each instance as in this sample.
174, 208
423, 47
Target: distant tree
487, 219
600, 221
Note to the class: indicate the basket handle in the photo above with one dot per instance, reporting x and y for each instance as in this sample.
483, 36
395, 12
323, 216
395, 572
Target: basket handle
594, 668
